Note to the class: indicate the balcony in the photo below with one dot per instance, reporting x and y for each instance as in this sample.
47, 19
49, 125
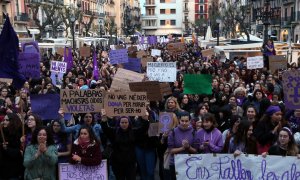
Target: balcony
149, 4
23, 18
186, 10
288, 2
149, 16
202, 12
148, 27
286, 21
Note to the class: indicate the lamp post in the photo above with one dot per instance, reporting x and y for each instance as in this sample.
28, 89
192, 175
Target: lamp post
204, 30
218, 30
73, 30
266, 11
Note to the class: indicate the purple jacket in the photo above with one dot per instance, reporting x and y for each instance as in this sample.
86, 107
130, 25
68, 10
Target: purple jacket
176, 137
215, 140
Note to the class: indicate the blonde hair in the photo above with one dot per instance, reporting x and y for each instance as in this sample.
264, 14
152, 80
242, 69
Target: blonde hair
172, 98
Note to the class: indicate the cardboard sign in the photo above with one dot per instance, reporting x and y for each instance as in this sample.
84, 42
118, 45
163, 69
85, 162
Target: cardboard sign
162, 71
81, 101
125, 103
141, 54
244, 54
227, 166
208, 52
45, 105
29, 64
155, 52
145, 60
175, 48
134, 64
291, 89
118, 56
277, 62
60, 51
68, 171
165, 121
153, 129
255, 62
85, 51
123, 77
151, 87
165, 89
58, 66
6, 80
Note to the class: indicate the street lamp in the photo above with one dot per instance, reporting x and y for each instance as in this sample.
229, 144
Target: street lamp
73, 29
266, 11
218, 30
204, 30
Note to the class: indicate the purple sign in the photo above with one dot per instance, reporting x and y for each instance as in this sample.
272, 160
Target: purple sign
29, 65
45, 105
291, 89
134, 64
118, 56
30, 47
165, 120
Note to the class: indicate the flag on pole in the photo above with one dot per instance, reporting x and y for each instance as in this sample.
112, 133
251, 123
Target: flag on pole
68, 58
95, 67
9, 52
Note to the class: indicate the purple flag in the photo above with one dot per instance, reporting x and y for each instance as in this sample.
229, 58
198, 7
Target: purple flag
142, 40
149, 40
68, 58
9, 52
95, 67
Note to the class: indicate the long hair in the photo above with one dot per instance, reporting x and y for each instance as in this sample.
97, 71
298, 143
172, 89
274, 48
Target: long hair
292, 149
38, 122
91, 133
82, 118
63, 136
15, 123
241, 134
50, 140
172, 98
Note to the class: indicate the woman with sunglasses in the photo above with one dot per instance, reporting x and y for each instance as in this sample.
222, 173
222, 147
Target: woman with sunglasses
11, 162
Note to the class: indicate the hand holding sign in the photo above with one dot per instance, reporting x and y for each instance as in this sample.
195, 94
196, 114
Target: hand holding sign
165, 119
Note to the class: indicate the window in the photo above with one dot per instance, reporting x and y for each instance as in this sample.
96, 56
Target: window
201, 1
201, 9
162, 22
162, 11
162, 1
173, 11
173, 22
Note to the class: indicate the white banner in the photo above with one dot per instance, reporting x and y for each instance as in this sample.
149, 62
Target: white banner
58, 66
155, 52
161, 71
255, 62
225, 166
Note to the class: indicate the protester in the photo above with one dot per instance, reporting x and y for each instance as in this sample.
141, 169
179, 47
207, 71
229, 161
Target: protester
11, 159
40, 156
33, 122
86, 148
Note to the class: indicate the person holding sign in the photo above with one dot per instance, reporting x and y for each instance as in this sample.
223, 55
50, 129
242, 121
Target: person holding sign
40, 156
12, 158
86, 148
123, 140
181, 140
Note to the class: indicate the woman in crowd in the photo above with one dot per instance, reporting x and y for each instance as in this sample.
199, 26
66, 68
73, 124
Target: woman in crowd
172, 105
62, 141
285, 145
12, 157
231, 131
181, 140
199, 113
31, 124
86, 148
209, 138
243, 141
266, 131
40, 158
123, 140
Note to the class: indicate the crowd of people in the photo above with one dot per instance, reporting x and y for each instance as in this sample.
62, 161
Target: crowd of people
245, 113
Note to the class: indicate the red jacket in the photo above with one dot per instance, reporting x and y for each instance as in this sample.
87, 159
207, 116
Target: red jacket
90, 157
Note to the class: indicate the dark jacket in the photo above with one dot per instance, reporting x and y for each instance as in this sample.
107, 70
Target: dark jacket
89, 157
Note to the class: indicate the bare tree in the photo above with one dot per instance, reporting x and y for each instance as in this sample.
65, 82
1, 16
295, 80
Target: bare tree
67, 13
88, 25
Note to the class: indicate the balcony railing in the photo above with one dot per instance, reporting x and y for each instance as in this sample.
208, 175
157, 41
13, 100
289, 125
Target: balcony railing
149, 3
23, 17
288, 2
285, 21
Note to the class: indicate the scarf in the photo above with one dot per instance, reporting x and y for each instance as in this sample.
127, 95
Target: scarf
83, 143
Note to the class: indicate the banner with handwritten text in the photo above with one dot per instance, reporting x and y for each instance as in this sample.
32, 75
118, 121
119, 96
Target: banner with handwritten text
118, 56
58, 66
161, 71
225, 166
29, 64
78, 171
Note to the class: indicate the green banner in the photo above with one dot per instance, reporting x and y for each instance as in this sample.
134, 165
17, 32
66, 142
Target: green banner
197, 84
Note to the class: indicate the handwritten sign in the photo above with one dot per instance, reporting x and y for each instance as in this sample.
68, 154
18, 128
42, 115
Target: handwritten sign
29, 65
175, 48
78, 171
155, 52
85, 51
277, 62
208, 52
291, 89
123, 77
58, 66
81, 101
165, 121
134, 64
255, 62
225, 166
161, 71
118, 56
125, 103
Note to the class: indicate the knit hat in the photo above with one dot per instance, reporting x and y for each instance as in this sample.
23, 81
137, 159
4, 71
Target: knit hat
272, 109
